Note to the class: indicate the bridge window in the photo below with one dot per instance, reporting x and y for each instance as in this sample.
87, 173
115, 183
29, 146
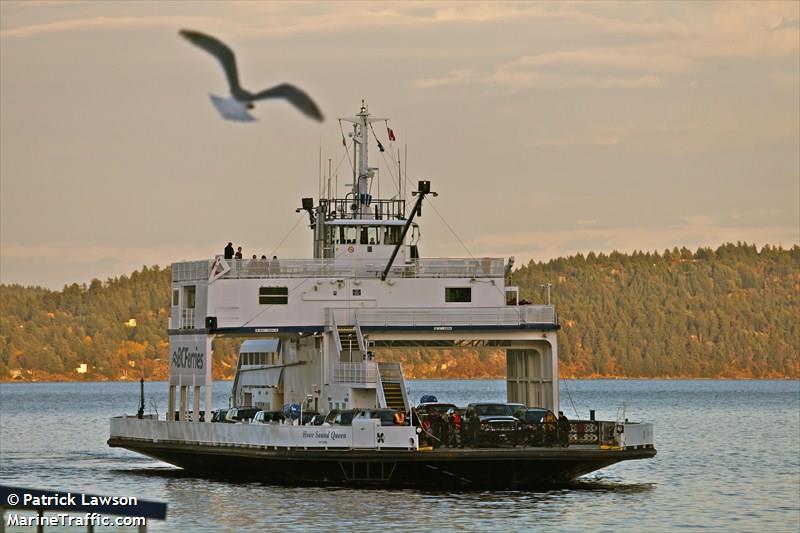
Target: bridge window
189, 296
273, 295
391, 234
347, 235
458, 294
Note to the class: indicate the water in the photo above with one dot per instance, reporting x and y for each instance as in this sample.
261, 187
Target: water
728, 460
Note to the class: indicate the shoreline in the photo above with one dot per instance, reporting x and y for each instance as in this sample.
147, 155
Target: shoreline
500, 378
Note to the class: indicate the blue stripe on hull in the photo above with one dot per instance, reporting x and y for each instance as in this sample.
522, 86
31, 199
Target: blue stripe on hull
316, 329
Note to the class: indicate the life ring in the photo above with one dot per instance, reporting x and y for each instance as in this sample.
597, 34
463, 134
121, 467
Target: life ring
399, 418
351, 249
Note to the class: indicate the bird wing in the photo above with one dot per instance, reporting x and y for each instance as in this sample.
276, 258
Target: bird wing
296, 97
219, 50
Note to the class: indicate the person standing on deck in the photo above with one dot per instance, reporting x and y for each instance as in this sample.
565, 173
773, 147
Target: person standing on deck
550, 428
238, 253
426, 431
455, 428
563, 429
444, 429
229, 251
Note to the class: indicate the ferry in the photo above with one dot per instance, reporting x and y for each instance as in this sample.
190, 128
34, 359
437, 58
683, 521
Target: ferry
315, 330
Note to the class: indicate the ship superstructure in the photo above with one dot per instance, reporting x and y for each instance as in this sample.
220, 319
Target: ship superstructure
322, 323
366, 287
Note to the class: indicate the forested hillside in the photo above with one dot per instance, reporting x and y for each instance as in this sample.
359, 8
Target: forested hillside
730, 312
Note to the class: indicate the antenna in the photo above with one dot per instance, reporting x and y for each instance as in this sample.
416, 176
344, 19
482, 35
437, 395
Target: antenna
399, 176
329, 178
405, 166
319, 171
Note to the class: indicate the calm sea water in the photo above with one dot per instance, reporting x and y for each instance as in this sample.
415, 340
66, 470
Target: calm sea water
729, 460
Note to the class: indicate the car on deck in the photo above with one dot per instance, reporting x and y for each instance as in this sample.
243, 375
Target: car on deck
340, 417
490, 424
386, 416
530, 431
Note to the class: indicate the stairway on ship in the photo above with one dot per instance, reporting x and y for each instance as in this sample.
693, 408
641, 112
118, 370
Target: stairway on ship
348, 344
393, 395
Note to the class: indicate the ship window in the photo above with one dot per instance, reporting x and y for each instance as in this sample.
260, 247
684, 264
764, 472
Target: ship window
273, 295
189, 293
356, 292
458, 294
176, 295
347, 235
391, 235
369, 235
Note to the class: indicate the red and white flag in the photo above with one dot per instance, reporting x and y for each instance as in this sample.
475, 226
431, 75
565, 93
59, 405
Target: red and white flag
391, 134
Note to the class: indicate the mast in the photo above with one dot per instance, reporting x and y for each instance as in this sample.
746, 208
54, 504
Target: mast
361, 197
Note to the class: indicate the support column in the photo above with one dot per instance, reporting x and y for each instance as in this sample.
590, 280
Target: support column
209, 380
196, 404
182, 413
532, 377
554, 366
171, 403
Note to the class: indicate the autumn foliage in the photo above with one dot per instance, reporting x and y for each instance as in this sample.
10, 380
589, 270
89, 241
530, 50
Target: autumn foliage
725, 313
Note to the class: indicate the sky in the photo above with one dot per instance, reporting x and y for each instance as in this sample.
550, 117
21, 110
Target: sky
547, 129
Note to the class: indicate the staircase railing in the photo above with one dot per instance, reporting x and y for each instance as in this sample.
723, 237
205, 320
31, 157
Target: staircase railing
362, 343
381, 397
393, 372
337, 342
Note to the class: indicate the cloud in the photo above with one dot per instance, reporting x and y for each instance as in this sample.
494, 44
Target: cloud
569, 140
247, 19
699, 231
106, 23
554, 71
589, 135
451, 78
629, 58
653, 49
695, 221
77, 253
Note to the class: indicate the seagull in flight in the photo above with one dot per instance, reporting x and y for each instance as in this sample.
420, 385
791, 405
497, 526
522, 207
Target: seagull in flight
241, 100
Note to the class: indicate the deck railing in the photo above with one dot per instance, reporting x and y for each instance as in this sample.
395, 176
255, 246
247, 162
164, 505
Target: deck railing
363, 373
474, 316
190, 270
308, 268
187, 319
368, 435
